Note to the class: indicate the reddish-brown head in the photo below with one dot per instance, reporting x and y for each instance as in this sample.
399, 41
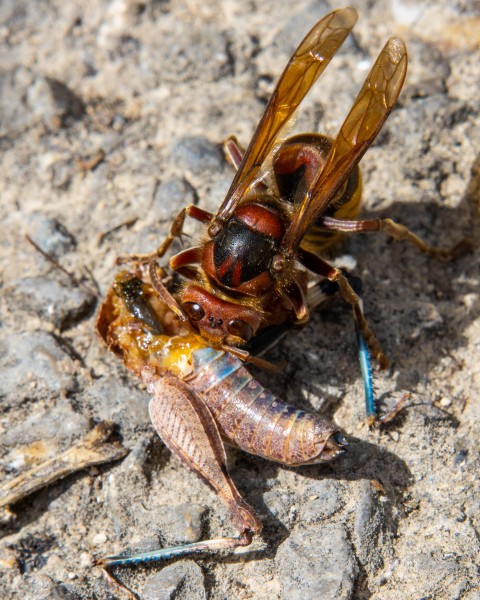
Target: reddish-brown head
219, 322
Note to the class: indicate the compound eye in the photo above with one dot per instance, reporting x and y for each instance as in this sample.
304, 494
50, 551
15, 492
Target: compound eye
240, 329
194, 311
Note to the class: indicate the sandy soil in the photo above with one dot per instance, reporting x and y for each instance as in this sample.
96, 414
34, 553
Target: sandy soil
111, 116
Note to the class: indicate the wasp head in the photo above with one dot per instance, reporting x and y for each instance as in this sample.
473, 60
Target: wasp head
219, 322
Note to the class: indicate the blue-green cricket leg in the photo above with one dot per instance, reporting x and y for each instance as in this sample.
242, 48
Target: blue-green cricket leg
188, 429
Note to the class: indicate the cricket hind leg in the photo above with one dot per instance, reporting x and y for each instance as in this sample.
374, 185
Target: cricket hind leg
188, 429
185, 550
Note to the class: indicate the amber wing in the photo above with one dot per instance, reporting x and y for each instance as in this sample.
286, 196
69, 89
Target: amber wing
370, 109
304, 68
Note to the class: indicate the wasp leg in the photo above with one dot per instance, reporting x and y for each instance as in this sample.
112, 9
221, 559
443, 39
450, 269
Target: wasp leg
319, 293
176, 231
395, 231
335, 275
349, 295
233, 151
363, 355
350, 290
188, 429
184, 262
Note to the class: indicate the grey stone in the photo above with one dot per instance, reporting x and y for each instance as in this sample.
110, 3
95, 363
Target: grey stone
126, 490
425, 316
438, 578
51, 235
135, 462
317, 562
171, 196
15, 114
32, 364
279, 503
181, 581
196, 155
322, 502
367, 527
61, 305
202, 55
167, 525
471, 595
181, 524
42, 587
60, 422
53, 101
109, 399
61, 173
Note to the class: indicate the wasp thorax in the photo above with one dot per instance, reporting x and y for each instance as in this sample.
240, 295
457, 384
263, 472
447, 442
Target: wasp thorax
239, 256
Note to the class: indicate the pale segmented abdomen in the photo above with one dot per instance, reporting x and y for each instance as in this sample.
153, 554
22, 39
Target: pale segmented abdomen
256, 420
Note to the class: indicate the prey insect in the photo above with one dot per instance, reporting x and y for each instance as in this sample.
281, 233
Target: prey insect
289, 201
201, 398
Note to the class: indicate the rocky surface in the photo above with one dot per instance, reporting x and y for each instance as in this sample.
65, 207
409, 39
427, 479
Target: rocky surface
111, 116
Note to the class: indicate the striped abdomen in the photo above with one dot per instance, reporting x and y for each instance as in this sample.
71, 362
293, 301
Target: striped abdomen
256, 420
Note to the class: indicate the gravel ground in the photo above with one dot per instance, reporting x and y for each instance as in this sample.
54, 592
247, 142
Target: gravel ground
111, 119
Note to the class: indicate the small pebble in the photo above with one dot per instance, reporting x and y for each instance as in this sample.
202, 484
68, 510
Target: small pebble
317, 562
197, 155
33, 356
180, 581
171, 196
62, 305
99, 539
51, 235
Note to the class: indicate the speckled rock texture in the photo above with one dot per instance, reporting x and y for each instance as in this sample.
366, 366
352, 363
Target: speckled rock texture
111, 119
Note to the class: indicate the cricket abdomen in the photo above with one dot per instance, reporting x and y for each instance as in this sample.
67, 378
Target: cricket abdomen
255, 419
